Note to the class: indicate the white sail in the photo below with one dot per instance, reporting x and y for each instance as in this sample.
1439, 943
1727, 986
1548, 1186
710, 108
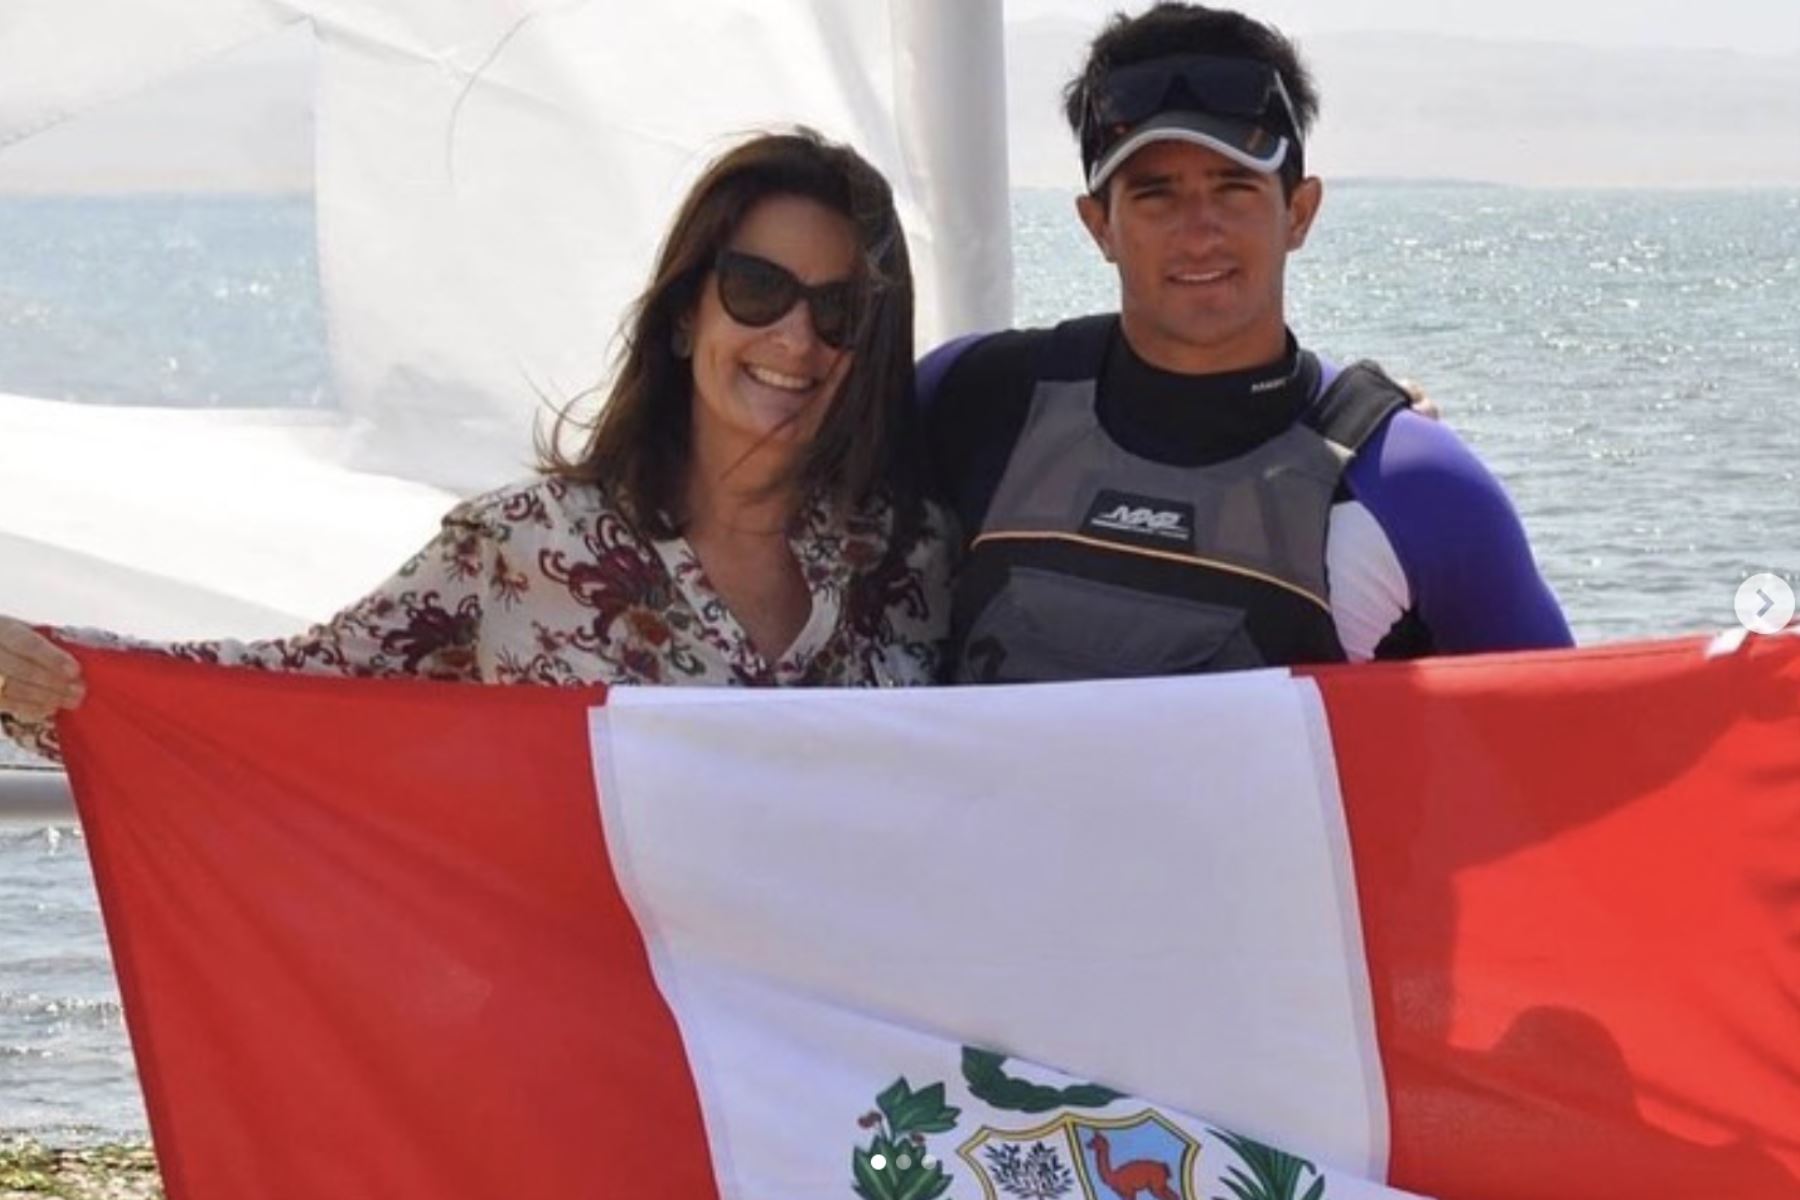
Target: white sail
493, 180
60, 60
186, 523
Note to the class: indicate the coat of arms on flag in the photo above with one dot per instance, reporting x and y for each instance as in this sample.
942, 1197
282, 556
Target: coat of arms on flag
1095, 1144
1135, 1156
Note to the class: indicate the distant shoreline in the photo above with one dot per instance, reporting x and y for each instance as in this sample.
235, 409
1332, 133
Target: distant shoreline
1400, 182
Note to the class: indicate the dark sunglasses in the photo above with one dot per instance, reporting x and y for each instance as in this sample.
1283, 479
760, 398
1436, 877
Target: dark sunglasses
1226, 87
757, 292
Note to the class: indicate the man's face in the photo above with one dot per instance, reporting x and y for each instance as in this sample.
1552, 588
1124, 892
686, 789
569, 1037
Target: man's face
1201, 247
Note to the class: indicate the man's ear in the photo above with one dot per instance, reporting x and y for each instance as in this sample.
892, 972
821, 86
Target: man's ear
1092, 211
1303, 207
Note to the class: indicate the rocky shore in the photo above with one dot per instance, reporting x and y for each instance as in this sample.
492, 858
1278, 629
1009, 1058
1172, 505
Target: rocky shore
30, 1170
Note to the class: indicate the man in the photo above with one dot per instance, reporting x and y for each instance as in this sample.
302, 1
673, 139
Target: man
1180, 487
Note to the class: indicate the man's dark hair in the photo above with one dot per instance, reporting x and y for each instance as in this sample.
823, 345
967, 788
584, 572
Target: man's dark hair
1173, 28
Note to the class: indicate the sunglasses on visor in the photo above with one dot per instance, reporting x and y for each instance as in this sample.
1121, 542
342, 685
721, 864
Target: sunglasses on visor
756, 292
1225, 87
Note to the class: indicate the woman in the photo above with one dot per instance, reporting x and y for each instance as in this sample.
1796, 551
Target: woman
746, 508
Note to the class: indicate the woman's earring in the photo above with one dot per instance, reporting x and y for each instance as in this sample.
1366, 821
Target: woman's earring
682, 341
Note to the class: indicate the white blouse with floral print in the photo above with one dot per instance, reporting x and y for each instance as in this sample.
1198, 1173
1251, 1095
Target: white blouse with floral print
547, 582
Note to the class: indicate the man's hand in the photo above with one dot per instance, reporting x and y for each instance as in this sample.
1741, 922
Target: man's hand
1422, 404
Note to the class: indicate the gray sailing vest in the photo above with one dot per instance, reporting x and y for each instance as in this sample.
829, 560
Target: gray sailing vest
1092, 562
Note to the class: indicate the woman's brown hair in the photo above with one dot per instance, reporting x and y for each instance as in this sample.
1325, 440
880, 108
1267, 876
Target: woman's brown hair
868, 442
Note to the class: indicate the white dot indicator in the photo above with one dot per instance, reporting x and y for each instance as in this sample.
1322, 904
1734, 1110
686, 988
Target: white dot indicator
928, 1162
878, 1161
904, 1162
1765, 604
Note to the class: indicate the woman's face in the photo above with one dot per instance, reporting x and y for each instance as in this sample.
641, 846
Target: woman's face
769, 387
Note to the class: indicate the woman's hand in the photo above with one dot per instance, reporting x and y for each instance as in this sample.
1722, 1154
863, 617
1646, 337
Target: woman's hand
1422, 404
37, 677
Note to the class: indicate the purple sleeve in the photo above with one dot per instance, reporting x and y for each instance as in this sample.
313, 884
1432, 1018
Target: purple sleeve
1473, 580
929, 374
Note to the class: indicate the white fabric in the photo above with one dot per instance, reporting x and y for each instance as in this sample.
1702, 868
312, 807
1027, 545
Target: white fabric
494, 179
179, 523
61, 58
729, 816
1369, 589
951, 112
785, 1076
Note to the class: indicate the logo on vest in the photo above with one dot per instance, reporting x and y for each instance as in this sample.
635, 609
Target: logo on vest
1141, 520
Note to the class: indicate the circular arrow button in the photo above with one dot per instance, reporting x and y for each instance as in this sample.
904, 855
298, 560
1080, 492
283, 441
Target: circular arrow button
1765, 604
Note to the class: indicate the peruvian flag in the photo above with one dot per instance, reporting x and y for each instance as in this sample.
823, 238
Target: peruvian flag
1514, 927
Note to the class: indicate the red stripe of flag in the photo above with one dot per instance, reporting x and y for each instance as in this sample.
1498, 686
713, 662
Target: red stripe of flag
1580, 887
490, 1027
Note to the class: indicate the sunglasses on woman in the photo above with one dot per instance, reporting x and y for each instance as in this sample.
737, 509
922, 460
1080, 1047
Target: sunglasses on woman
757, 292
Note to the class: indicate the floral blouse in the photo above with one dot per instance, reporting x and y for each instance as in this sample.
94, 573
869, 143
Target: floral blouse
547, 582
